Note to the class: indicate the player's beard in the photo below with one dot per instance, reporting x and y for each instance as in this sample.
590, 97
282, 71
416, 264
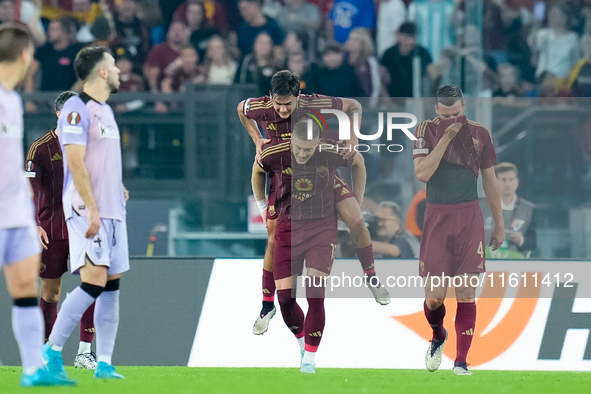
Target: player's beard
113, 89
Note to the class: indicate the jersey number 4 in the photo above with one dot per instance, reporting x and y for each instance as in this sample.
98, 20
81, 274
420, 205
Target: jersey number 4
480, 250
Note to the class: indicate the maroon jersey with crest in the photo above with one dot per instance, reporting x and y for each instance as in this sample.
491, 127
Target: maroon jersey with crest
303, 191
261, 110
454, 181
44, 168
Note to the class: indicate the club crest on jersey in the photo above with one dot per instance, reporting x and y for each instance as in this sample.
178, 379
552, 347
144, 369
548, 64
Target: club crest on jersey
322, 171
304, 185
74, 118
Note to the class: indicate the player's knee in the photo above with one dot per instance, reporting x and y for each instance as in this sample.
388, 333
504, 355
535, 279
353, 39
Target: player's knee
270, 245
51, 295
92, 290
465, 300
434, 303
22, 288
286, 301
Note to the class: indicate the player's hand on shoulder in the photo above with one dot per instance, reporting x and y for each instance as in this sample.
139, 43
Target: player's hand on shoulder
42, 237
259, 147
452, 130
94, 223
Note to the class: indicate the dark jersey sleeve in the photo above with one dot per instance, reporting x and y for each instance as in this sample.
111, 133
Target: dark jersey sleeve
422, 146
35, 172
489, 157
254, 108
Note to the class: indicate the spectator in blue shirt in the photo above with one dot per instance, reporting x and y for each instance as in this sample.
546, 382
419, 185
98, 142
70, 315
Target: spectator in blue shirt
346, 15
254, 23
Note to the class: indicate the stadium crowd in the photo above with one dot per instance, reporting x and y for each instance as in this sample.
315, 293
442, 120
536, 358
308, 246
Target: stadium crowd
348, 48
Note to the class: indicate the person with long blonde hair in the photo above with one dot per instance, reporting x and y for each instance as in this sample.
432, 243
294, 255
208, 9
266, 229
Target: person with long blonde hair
360, 49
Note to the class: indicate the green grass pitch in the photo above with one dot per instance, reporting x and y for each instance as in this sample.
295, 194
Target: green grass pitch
146, 380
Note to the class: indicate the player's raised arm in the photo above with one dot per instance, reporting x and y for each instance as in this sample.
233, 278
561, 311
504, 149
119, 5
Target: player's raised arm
493, 198
426, 166
352, 107
359, 177
251, 127
258, 181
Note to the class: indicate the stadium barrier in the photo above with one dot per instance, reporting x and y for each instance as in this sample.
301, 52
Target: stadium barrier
199, 312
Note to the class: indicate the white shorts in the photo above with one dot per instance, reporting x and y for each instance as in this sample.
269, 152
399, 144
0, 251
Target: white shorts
108, 248
17, 244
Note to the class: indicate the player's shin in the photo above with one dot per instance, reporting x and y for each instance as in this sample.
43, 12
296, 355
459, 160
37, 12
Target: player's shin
435, 320
106, 320
87, 329
49, 311
268, 291
465, 324
315, 318
293, 316
75, 304
27, 325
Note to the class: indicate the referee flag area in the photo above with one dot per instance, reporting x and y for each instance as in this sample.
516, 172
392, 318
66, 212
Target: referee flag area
157, 380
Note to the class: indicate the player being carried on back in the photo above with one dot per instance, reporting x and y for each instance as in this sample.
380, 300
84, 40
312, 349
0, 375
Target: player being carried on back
273, 113
306, 227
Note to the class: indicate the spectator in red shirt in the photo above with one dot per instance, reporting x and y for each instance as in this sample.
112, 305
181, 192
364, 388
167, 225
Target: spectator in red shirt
163, 55
188, 71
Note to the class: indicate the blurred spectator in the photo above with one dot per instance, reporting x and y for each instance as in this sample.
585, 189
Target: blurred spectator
579, 78
508, 86
56, 58
272, 8
434, 23
346, 15
199, 26
259, 66
557, 47
254, 23
297, 64
132, 33
215, 13
391, 14
299, 16
220, 67
188, 71
27, 13
101, 32
335, 77
130, 82
518, 213
519, 52
403, 59
163, 55
389, 238
360, 48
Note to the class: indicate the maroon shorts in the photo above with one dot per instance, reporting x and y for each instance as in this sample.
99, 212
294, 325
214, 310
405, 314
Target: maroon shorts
342, 191
314, 241
452, 242
272, 212
54, 260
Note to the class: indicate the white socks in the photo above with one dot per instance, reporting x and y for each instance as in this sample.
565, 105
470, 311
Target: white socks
84, 348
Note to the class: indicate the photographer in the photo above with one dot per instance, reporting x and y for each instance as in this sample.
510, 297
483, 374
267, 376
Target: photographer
520, 231
389, 238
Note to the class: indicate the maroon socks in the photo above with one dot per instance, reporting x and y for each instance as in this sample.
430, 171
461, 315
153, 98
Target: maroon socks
87, 325
293, 316
435, 320
49, 310
465, 322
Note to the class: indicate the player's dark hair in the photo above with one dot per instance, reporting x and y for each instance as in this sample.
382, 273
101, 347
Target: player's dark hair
13, 41
504, 167
449, 94
300, 130
409, 28
395, 208
87, 59
285, 83
62, 98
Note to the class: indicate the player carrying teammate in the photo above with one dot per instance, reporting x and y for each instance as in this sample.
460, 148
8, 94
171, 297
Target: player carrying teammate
448, 154
273, 114
19, 249
94, 208
44, 168
306, 228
